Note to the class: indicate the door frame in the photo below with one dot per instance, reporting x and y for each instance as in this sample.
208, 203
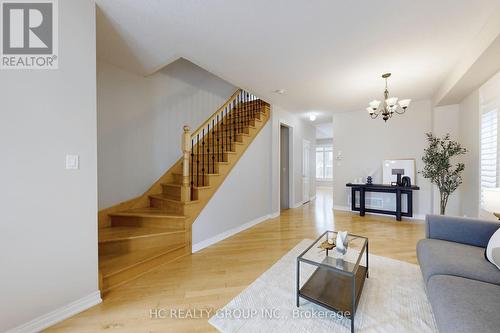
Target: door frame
303, 173
291, 186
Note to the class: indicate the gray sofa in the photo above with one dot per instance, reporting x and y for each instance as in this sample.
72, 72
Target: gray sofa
462, 286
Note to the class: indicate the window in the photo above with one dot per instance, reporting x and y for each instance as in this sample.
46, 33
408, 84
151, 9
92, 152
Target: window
324, 162
489, 149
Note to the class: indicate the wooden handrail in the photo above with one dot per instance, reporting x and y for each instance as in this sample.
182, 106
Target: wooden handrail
214, 115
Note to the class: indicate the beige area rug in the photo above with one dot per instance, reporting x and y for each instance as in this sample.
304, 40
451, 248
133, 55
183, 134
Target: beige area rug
393, 300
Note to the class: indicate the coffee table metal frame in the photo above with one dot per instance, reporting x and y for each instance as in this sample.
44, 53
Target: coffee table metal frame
359, 272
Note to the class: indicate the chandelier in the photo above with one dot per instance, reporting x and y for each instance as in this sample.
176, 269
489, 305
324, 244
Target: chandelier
389, 106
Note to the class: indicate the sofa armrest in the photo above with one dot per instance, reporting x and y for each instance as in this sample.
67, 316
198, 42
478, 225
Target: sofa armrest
460, 229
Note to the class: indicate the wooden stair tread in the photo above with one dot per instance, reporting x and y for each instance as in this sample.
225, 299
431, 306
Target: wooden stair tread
206, 187
113, 234
179, 185
147, 212
207, 174
171, 184
161, 197
113, 264
215, 154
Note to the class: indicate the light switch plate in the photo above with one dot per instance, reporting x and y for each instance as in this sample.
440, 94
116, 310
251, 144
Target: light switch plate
72, 162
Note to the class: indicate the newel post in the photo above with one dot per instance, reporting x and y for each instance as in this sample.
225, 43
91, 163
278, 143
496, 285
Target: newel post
186, 153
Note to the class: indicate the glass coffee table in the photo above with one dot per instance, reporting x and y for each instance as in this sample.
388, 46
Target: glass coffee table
338, 280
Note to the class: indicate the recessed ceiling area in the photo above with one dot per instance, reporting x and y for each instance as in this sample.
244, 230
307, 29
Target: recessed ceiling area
324, 131
326, 55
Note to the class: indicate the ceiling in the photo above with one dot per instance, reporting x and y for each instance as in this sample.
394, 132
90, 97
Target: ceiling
327, 55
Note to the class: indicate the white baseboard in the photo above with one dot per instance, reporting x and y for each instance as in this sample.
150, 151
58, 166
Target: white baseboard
64, 312
300, 203
274, 215
217, 238
348, 209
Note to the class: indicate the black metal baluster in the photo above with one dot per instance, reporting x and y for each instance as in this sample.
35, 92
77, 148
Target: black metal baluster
255, 107
213, 146
230, 126
235, 123
218, 138
224, 134
208, 149
235, 118
203, 157
241, 112
244, 108
197, 159
192, 169
237, 114
227, 129
252, 110
247, 110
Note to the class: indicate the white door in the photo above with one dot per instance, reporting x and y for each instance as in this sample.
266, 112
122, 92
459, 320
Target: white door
306, 147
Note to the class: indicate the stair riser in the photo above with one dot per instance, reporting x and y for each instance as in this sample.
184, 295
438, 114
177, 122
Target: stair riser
169, 206
160, 242
232, 130
223, 138
216, 156
139, 269
172, 192
173, 224
223, 147
202, 181
178, 179
202, 194
208, 166
224, 151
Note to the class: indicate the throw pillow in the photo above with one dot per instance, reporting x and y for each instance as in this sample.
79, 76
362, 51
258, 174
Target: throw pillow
493, 249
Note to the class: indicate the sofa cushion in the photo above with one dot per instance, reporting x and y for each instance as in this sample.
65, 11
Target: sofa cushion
464, 305
438, 257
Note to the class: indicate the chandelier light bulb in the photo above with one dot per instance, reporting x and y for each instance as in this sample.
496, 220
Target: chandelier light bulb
374, 104
370, 110
404, 103
391, 101
312, 117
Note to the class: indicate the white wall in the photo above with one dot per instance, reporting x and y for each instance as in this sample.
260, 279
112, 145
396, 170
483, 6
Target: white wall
243, 199
300, 130
366, 142
255, 179
469, 138
140, 123
446, 119
48, 232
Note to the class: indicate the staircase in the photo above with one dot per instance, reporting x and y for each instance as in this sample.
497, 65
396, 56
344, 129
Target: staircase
138, 235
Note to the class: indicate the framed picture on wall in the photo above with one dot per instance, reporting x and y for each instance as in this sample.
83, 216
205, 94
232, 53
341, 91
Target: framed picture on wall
390, 169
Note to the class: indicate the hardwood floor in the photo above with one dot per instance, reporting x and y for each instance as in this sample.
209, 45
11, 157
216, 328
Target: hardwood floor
210, 278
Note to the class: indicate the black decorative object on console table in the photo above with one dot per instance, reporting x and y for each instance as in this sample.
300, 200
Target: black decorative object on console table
397, 190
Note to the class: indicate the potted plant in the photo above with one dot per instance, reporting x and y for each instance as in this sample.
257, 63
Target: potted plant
438, 166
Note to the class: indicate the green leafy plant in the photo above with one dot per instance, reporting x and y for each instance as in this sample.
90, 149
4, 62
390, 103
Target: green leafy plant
438, 166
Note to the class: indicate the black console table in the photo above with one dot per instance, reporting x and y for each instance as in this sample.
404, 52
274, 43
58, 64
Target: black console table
398, 190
